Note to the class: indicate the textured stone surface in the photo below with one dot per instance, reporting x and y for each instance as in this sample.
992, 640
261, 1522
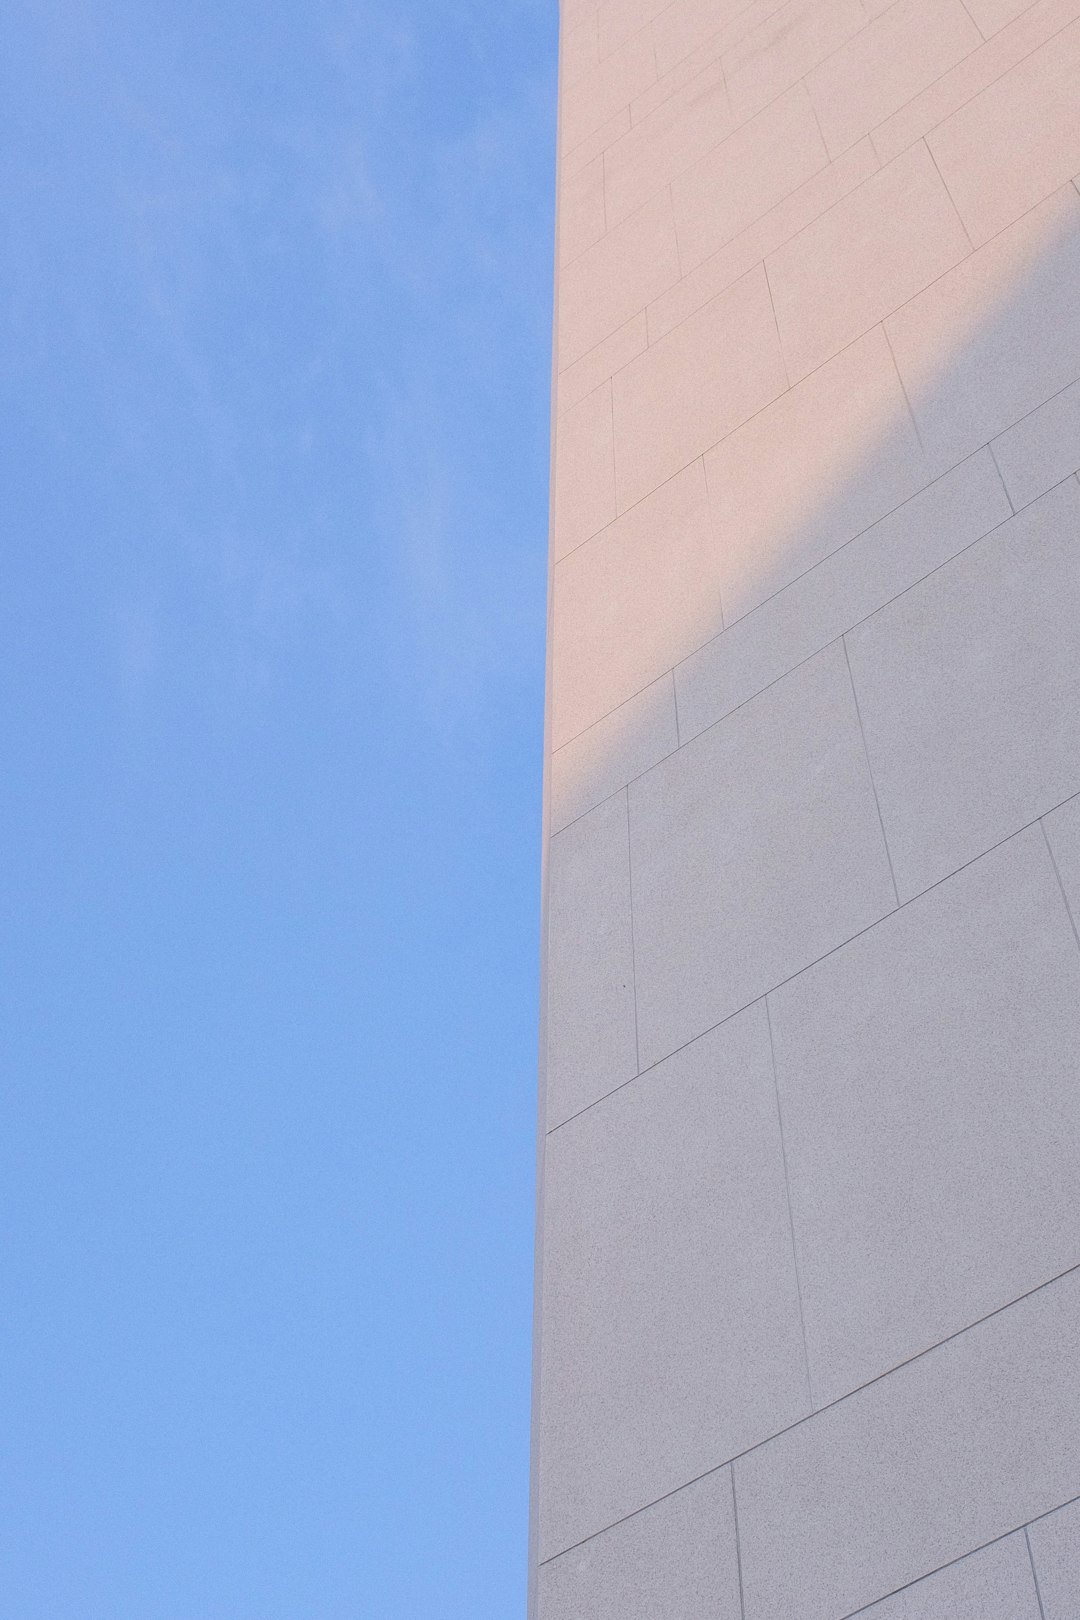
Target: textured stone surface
1055, 1551
671, 1333
949, 1452
969, 691
677, 1560
755, 850
592, 1044
994, 1584
927, 1076
814, 798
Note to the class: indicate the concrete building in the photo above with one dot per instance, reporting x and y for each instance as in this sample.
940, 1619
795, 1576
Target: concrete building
808, 1339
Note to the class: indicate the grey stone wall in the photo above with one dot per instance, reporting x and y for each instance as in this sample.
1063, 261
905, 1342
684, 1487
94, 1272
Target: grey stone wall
808, 1342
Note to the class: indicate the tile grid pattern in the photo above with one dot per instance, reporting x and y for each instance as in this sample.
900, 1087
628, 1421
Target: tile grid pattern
814, 798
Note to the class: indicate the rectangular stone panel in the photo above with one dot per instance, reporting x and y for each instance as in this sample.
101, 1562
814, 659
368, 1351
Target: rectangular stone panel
746, 175
584, 472
657, 148
839, 591
944, 1455
994, 1583
905, 49
862, 259
755, 849
591, 1041
827, 459
625, 743
969, 691
676, 1560
694, 386
1042, 448
1033, 26
785, 46
631, 602
614, 280
995, 337
671, 1334
1018, 141
927, 1075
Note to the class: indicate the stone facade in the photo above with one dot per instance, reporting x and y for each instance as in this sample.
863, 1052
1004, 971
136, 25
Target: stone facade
808, 1336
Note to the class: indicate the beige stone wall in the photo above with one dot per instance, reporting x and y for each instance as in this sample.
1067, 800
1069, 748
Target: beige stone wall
809, 1337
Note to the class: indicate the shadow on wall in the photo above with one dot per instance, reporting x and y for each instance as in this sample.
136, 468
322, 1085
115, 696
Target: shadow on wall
860, 480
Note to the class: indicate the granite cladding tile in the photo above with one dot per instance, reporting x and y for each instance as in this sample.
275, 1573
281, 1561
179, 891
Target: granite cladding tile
1055, 1551
584, 472
623, 20
781, 49
944, 1455
995, 337
1042, 448
695, 386
758, 165
994, 1583
895, 57
601, 363
838, 592
928, 1086
677, 1560
1063, 834
631, 602
1017, 142
573, 159
686, 26
591, 1045
682, 129
828, 458
969, 691
755, 849
613, 280
767, 234
638, 734
1034, 25
605, 89
862, 259
990, 16
581, 210
671, 1335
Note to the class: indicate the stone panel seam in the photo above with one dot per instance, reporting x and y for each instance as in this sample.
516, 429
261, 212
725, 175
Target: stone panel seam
791, 1216
1015, 512
973, 1552
945, 186
730, 1462
844, 943
869, 765
997, 467
1074, 186
1034, 1571
983, 88
738, 1544
1057, 874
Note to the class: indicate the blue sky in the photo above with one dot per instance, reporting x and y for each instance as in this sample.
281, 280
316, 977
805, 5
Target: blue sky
276, 286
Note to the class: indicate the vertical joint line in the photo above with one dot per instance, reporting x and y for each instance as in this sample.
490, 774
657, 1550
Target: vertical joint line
738, 1545
1061, 886
997, 469
790, 1211
903, 387
1034, 1573
870, 771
